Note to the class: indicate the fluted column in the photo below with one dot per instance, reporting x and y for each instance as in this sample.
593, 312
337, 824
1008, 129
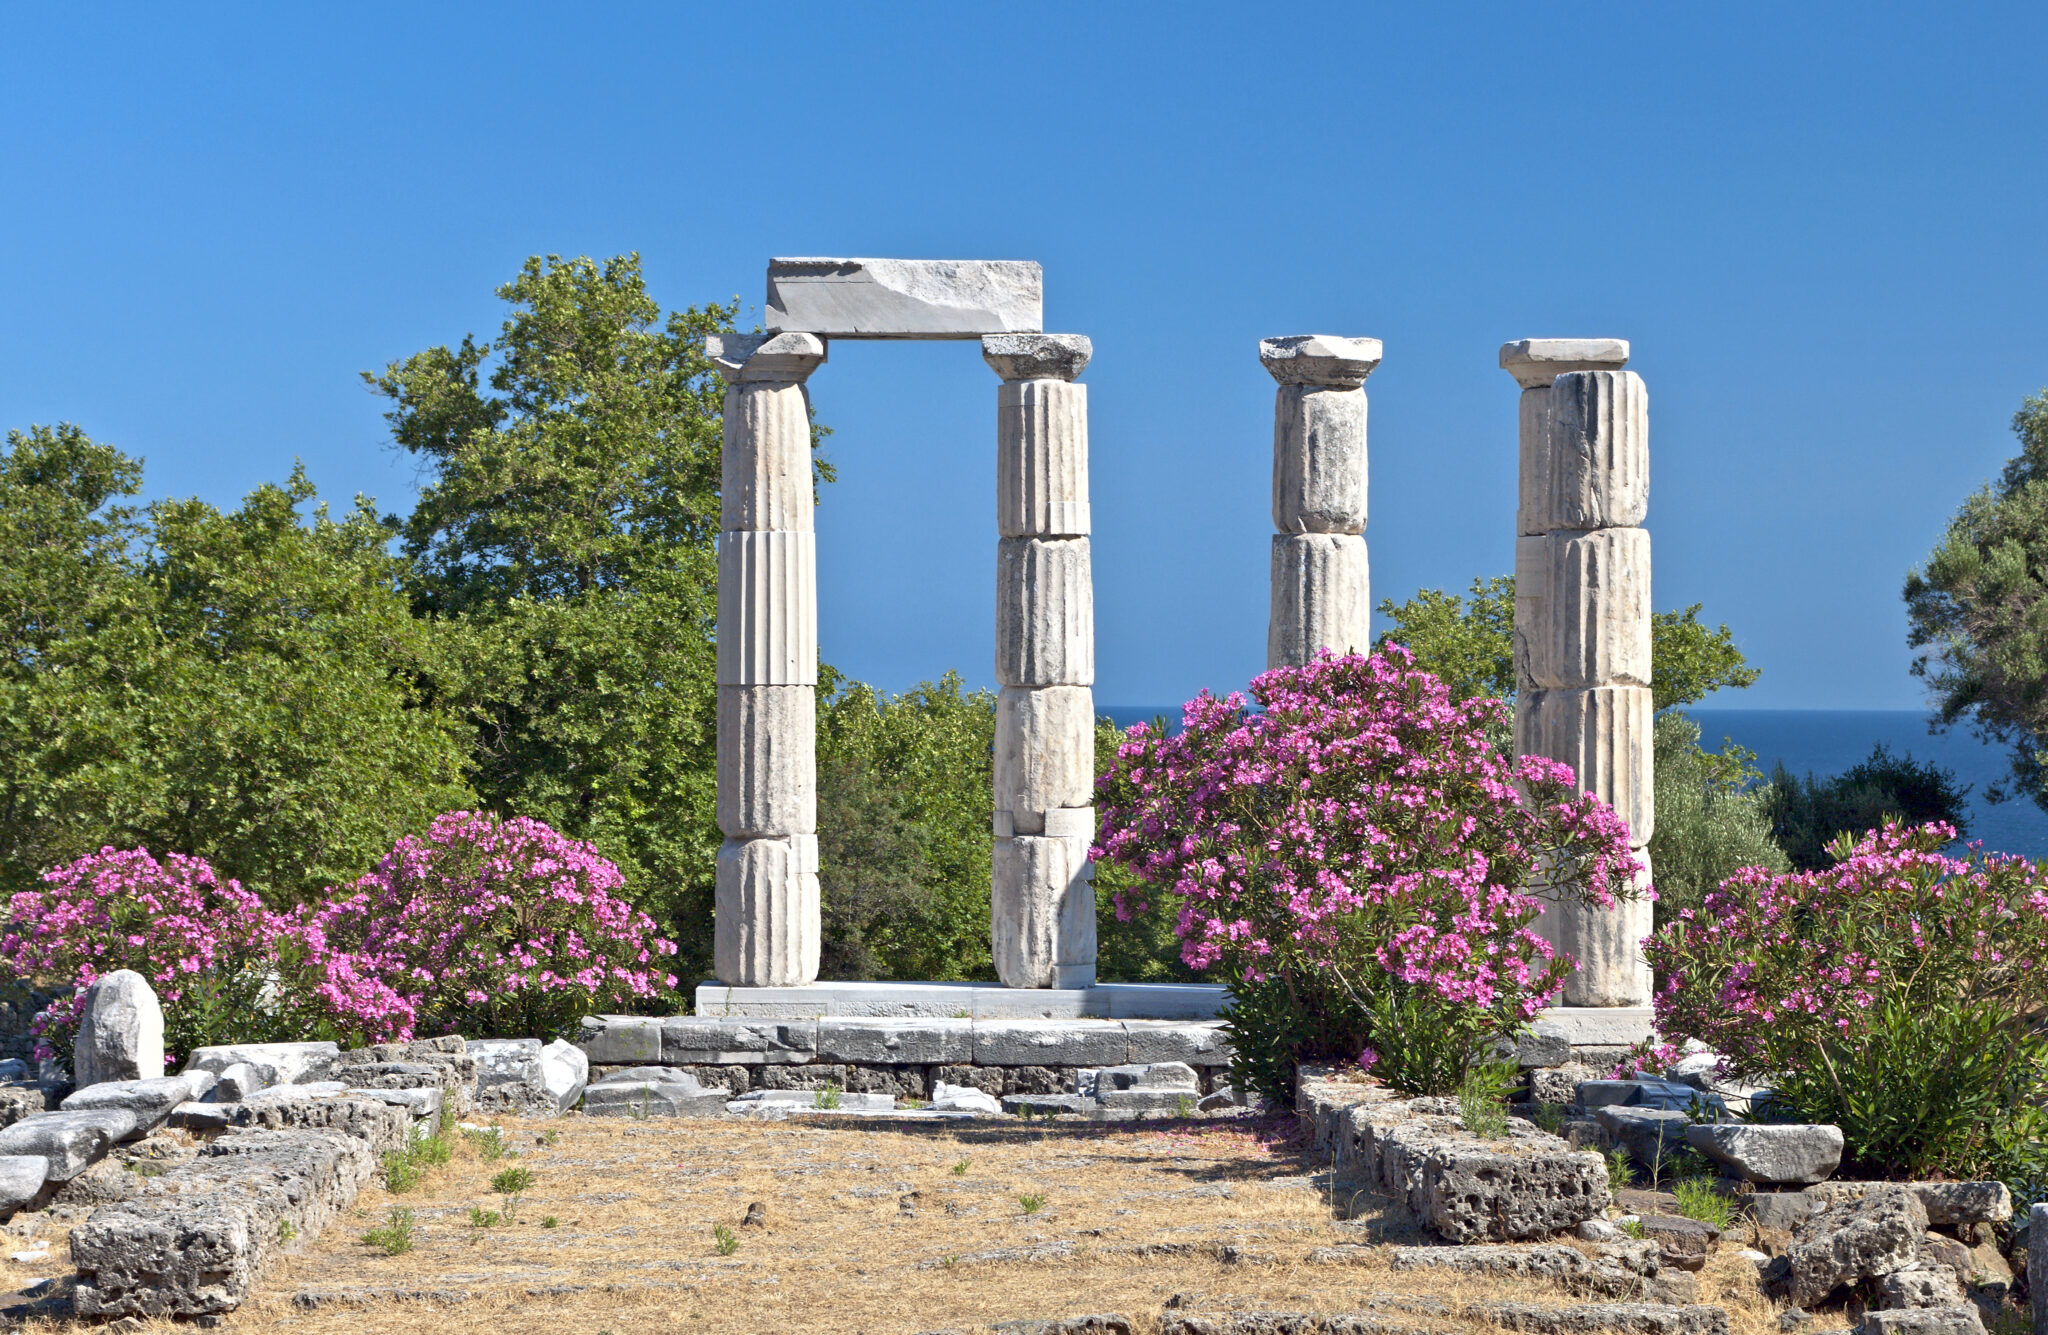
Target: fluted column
1582, 622
1042, 914
766, 931
1322, 587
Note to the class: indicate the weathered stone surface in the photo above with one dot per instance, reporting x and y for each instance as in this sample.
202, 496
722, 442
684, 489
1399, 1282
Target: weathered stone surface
150, 1101
1922, 1321
1536, 362
1771, 1155
69, 1141
765, 468
1956, 1204
1622, 1318
766, 920
1864, 1239
381, 1126
1073, 948
565, 1070
1322, 597
1177, 1076
1049, 1043
1029, 881
923, 1042
905, 1082
508, 1075
274, 1063
422, 1104
1319, 460
1468, 1190
608, 1040
962, 1098
1037, 356
1582, 609
1045, 612
1042, 460
1044, 753
1541, 1045
1197, 1043
816, 1075
21, 1180
120, 1033
1604, 734
710, 1040
767, 609
1684, 1244
1592, 468
767, 761
1921, 1286
655, 1091
1644, 1092
204, 1118
1652, 1136
1320, 359
771, 357
884, 298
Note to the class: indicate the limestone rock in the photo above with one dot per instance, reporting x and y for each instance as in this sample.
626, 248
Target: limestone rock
271, 1063
1036, 356
1771, 1155
1864, 1239
1322, 597
1582, 609
654, 1091
921, 1041
1468, 1191
1621, 1318
1605, 943
150, 1101
1320, 359
564, 1071
1615, 1270
1045, 612
1958, 1204
1685, 1244
1048, 1043
508, 1076
1536, 362
767, 609
1028, 882
884, 298
711, 1040
21, 1180
767, 761
962, 1098
1155, 1086
70, 1142
1042, 460
1922, 1321
1652, 1136
1921, 1286
765, 930
120, 1033
1319, 460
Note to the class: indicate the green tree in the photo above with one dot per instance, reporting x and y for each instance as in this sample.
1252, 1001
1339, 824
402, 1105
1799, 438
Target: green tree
1808, 814
1977, 611
568, 530
1713, 816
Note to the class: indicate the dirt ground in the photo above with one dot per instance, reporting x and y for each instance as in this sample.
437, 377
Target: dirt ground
886, 1228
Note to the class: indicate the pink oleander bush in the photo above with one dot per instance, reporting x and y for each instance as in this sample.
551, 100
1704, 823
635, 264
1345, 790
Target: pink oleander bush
1360, 865
495, 927
1899, 994
225, 968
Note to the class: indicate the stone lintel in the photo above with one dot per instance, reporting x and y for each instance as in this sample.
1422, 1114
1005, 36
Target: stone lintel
1535, 362
882, 298
771, 356
1320, 359
1037, 356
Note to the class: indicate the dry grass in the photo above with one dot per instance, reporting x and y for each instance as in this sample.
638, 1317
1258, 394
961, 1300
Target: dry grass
870, 1228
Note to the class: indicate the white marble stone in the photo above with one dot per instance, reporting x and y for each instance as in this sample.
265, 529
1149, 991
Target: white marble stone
765, 464
1042, 459
1319, 459
742, 358
1322, 597
1606, 945
1320, 359
1535, 362
1028, 884
1582, 608
1162, 1010
1604, 733
767, 760
1037, 356
1590, 467
885, 298
766, 924
120, 1033
1045, 612
767, 609
1044, 752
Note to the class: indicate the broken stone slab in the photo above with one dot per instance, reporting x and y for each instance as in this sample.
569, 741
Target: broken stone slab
71, 1142
151, 1101
814, 1100
648, 1098
1177, 1077
1618, 1270
1652, 1136
120, 1032
962, 1098
1320, 359
1041, 1105
273, 1063
381, 1126
1197, 1043
1470, 1190
316, 1089
1618, 1318
1922, 1321
21, 1180
565, 1071
1684, 1244
1855, 1241
1772, 1155
1642, 1092
508, 1074
421, 1103
204, 1117
1921, 1286
1958, 1204
885, 298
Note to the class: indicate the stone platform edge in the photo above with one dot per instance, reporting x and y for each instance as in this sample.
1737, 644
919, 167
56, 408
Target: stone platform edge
965, 1001
713, 1040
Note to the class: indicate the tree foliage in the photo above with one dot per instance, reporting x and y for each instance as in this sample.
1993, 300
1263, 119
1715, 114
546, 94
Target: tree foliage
1713, 817
1808, 815
1977, 611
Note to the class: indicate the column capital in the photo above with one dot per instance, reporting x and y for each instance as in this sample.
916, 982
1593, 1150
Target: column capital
1320, 359
1535, 362
789, 358
1036, 356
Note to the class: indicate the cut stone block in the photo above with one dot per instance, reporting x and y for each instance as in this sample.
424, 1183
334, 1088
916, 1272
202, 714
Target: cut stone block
120, 1032
766, 919
1536, 362
1037, 356
21, 1180
1963, 1320
276, 1063
753, 358
1683, 1244
1048, 1043
1045, 612
765, 467
1771, 1155
767, 609
1653, 1137
1604, 733
618, 1040
1582, 609
1864, 1239
1468, 1190
1044, 753
919, 1042
71, 1142
1960, 1204
1921, 1286
652, 1093
1322, 597
1320, 359
150, 1101
1027, 884
1173, 1041
1602, 1318
882, 298
963, 1098
421, 1103
1042, 460
767, 761
565, 1070
710, 1040
1592, 466
1319, 460
508, 1074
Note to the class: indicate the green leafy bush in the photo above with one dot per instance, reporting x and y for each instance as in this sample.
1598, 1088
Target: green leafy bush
1713, 818
1809, 814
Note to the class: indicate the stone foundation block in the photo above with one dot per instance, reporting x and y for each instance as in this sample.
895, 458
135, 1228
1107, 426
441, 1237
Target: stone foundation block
1319, 459
700, 1040
1582, 609
816, 1076
1322, 597
1042, 460
916, 1042
150, 1101
988, 1079
1604, 733
1197, 1044
767, 761
765, 482
1044, 753
1470, 1191
765, 930
274, 1063
620, 1040
1771, 1155
1045, 612
1048, 1043
904, 1082
731, 1079
1595, 466
767, 609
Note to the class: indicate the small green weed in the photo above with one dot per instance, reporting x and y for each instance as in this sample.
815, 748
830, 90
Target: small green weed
549, 1221
395, 1234
479, 1217
402, 1172
512, 1181
1620, 1174
145, 1168
549, 1137
434, 1151
960, 1169
1549, 1117
287, 1231
488, 1142
1697, 1199
1632, 1227
1183, 1106
724, 1239
826, 1098
1032, 1203
1480, 1104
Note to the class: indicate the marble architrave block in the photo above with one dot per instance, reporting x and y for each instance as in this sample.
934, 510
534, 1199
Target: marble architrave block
1045, 612
767, 761
1044, 753
1322, 597
884, 298
1042, 459
767, 609
1594, 455
1319, 460
766, 928
1604, 733
1582, 609
765, 467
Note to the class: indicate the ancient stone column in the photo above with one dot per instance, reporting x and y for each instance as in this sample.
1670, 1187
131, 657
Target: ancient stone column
766, 928
1042, 921
1582, 622
1322, 589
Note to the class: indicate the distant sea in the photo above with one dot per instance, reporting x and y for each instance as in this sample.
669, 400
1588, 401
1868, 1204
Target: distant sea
1828, 741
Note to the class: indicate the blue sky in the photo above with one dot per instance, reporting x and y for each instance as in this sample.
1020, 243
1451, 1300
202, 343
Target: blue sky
1824, 228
